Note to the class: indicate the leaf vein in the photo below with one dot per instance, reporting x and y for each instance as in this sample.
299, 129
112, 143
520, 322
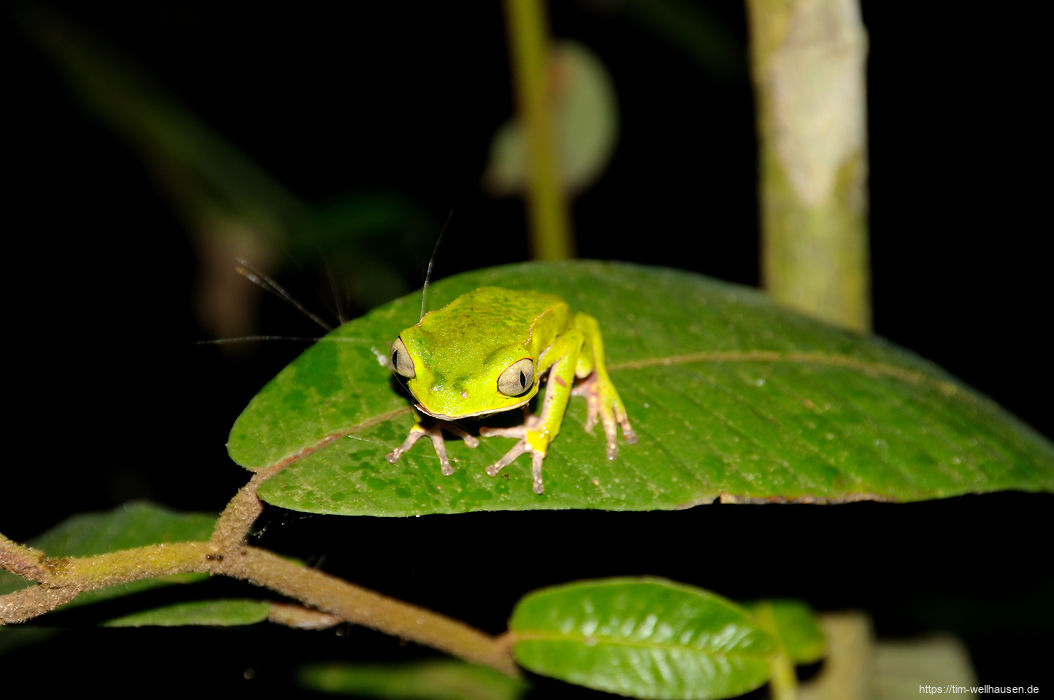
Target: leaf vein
805, 358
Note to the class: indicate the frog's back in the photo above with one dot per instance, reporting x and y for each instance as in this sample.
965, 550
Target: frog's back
491, 312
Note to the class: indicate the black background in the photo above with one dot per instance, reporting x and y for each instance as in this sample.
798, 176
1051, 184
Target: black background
110, 398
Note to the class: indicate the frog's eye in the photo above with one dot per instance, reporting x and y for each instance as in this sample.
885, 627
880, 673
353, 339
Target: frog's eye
401, 361
518, 378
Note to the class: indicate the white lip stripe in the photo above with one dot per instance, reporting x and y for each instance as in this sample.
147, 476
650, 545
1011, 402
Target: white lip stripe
440, 416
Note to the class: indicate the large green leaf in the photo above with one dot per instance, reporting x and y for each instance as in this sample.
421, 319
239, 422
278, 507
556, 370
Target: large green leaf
646, 638
733, 398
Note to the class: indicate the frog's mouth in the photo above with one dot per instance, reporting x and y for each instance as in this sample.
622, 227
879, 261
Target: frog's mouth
442, 416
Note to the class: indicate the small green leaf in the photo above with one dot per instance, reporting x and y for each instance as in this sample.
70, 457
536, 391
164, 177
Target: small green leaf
585, 121
428, 680
794, 626
646, 638
199, 612
131, 525
733, 398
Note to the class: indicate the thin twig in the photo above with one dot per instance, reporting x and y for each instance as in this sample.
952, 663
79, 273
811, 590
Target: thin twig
550, 222
21, 560
332, 599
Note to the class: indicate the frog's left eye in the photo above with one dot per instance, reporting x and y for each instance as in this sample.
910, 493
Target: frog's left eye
518, 378
402, 363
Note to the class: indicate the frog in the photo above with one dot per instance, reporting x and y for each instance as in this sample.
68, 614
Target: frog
488, 351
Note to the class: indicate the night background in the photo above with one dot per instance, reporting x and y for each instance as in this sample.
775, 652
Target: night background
382, 116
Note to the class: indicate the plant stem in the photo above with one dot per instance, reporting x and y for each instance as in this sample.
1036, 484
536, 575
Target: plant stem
550, 226
368, 608
69, 576
783, 683
808, 67
21, 560
63, 578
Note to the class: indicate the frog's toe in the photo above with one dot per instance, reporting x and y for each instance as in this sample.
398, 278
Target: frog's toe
591, 418
536, 472
614, 418
537, 458
435, 434
623, 420
468, 438
518, 449
416, 433
611, 434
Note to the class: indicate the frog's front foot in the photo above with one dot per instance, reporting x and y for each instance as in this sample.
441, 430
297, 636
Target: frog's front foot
534, 441
435, 434
603, 400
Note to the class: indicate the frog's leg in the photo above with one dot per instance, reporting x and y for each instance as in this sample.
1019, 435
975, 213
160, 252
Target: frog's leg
435, 434
601, 396
561, 360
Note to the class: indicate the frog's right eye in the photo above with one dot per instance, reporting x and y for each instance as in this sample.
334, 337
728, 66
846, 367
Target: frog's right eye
401, 361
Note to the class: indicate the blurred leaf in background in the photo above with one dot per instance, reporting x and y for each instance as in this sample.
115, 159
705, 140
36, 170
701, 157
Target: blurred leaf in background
585, 117
233, 208
422, 680
860, 666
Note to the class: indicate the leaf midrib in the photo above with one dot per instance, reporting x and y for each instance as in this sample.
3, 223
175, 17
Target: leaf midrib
596, 640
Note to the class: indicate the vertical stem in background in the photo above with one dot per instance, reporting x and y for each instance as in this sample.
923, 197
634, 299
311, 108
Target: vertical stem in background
808, 61
550, 227
783, 683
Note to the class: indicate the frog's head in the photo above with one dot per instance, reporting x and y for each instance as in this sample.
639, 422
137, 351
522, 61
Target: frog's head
452, 380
